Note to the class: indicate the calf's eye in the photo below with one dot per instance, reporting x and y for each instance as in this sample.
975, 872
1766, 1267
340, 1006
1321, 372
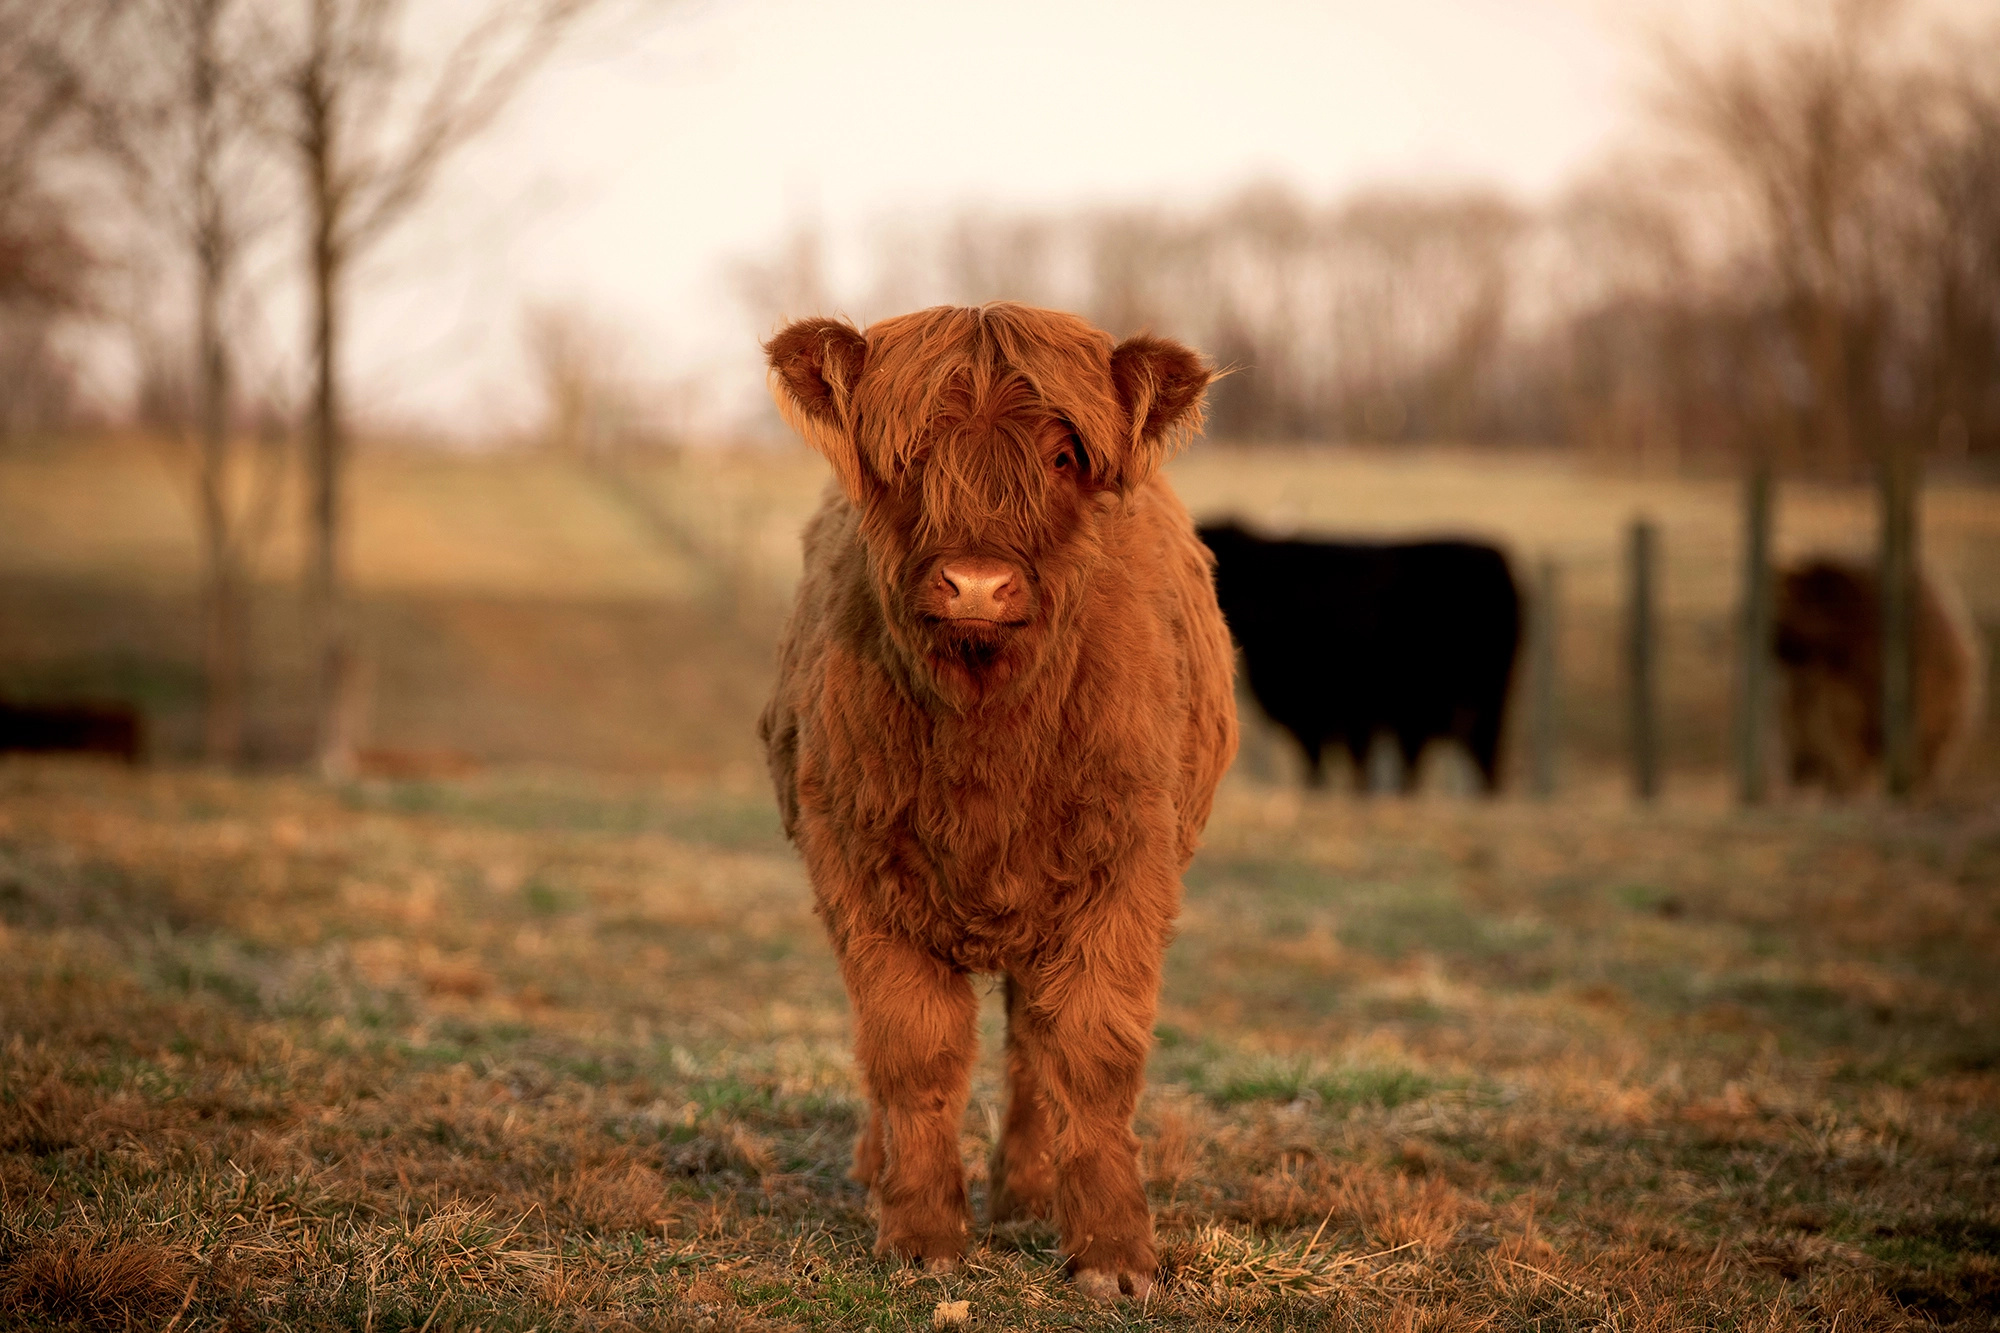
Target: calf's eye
1071, 457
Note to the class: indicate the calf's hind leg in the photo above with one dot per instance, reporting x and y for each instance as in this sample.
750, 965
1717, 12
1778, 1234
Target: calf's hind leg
914, 1035
1022, 1169
868, 1148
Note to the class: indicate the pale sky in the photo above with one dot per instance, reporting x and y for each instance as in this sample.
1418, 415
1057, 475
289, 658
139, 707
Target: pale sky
651, 154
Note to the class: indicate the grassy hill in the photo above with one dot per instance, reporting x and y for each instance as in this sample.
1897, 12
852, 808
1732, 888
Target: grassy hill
531, 608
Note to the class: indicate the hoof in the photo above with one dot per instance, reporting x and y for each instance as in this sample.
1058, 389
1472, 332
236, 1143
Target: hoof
929, 1253
1104, 1286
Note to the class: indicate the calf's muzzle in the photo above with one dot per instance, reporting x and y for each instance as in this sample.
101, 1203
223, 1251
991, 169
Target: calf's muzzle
981, 588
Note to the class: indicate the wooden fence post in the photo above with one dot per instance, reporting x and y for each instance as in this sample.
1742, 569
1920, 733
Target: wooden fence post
1542, 627
1898, 484
1642, 647
1755, 635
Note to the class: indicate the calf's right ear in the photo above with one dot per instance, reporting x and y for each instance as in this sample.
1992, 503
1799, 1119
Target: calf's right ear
1160, 385
815, 364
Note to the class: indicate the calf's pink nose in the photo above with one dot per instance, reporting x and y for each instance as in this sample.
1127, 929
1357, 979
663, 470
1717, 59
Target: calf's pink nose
980, 589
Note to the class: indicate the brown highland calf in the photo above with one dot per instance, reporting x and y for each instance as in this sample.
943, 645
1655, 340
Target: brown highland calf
1829, 620
1003, 705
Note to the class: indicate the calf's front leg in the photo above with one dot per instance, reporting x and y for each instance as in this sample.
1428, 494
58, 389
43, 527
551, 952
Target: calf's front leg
1086, 1029
915, 1031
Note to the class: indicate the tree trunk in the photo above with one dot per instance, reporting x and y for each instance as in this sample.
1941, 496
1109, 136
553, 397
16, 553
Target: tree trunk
335, 704
325, 595
225, 631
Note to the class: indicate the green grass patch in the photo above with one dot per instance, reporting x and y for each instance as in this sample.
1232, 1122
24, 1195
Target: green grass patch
1238, 1080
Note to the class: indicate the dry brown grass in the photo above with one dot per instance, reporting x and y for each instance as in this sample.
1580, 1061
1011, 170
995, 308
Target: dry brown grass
529, 1051
82, 1279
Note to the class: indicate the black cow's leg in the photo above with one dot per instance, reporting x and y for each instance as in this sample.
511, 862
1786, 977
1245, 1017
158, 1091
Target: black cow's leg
1315, 759
1410, 746
1358, 746
1485, 746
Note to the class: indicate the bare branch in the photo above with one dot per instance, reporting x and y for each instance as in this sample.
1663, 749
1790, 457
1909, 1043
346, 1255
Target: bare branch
465, 100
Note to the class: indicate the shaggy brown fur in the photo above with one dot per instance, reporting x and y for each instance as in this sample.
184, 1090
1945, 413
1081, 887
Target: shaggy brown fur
1003, 705
1830, 646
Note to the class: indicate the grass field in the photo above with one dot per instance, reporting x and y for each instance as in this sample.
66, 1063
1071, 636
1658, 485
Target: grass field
559, 1044
555, 1052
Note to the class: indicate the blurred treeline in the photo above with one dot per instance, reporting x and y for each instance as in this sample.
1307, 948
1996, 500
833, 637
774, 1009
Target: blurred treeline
1796, 251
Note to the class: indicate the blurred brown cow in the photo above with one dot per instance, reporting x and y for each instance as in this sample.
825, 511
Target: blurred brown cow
1003, 705
1830, 647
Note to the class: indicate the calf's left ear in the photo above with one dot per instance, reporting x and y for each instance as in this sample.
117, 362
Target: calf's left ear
815, 364
1160, 385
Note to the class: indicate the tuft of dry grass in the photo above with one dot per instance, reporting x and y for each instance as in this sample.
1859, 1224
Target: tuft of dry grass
534, 1051
79, 1279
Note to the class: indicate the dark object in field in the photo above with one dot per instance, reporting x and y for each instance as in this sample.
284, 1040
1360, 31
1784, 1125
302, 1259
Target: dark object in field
1003, 705
1829, 644
1343, 640
107, 729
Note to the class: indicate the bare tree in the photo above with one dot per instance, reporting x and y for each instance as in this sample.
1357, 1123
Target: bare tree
1953, 248
788, 284
178, 92
369, 126
591, 407
1799, 126
38, 99
46, 265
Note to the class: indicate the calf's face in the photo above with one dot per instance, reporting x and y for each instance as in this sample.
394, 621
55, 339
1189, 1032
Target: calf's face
985, 449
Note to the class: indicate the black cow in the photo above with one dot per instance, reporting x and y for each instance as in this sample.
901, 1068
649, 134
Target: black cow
1342, 640
107, 729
